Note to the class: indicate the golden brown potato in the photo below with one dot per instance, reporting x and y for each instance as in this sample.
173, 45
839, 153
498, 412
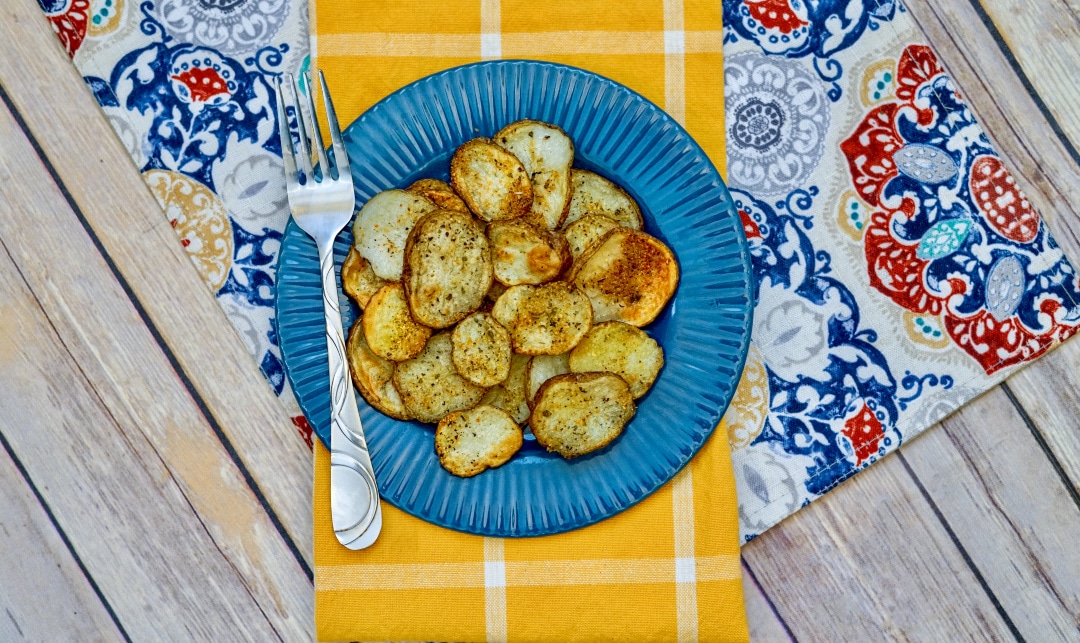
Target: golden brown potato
582, 234
628, 276
439, 193
621, 349
358, 280
550, 320
505, 310
593, 194
389, 328
383, 225
373, 376
510, 395
547, 154
429, 384
447, 268
524, 254
578, 413
481, 350
492, 181
469, 442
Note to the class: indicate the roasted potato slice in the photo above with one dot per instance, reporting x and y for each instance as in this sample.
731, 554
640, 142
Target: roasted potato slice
525, 254
586, 231
447, 268
510, 395
481, 351
628, 276
621, 349
578, 413
429, 384
593, 194
541, 369
373, 376
547, 154
506, 306
439, 193
358, 280
469, 442
552, 319
389, 328
382, 227
491, 180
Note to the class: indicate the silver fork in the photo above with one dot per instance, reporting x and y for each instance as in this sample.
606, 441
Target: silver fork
322, 208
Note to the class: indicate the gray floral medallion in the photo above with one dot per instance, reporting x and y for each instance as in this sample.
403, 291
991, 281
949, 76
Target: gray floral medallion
233, 27
778, 115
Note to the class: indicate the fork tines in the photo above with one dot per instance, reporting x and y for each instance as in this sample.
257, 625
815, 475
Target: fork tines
307, 125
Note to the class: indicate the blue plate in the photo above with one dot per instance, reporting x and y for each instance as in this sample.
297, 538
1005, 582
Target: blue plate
704, 331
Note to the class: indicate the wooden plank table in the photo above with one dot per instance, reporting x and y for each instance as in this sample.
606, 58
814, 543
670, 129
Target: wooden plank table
152, 486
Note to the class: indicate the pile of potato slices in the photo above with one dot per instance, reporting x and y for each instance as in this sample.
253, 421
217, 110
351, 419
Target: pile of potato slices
513, 296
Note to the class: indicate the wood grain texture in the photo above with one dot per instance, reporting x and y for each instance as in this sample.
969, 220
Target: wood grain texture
118, 447
43, 566
765, 625
95, 168
1045, 39
871, 562
1049, 391
1010, 511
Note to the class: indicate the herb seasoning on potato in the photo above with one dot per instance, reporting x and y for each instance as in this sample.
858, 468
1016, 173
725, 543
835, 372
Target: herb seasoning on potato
513, 294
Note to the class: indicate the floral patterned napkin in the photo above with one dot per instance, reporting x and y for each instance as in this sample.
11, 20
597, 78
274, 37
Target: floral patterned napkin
901, 272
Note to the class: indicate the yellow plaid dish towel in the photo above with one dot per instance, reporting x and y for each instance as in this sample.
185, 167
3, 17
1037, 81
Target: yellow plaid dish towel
668, 568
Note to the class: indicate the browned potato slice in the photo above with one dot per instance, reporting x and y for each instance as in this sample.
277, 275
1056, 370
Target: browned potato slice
439, 193
389, 329
621, 349
586, 231
525, 254
358, 280
382, 227
447, 268
628, 275
429, 384
492, 181
578, 413
541, 369
373, 376
469, 442
481, 351
506, 306
510, 395
593, 194
547, 154
552, 319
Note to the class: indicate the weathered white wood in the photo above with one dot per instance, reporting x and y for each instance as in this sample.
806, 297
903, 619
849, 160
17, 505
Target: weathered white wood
95, 168
1045, 39
1049, 391
158, 512
870, 562
34, 564
1010, 511
1032, 152
765, 627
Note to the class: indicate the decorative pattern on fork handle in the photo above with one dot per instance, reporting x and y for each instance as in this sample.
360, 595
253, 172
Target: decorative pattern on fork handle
348, 455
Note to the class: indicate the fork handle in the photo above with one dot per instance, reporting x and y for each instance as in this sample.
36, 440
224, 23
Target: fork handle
354, 497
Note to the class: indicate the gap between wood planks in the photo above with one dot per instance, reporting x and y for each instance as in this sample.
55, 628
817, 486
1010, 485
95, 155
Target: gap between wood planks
165, 348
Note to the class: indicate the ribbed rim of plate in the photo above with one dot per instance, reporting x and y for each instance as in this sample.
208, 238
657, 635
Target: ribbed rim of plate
705, 331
